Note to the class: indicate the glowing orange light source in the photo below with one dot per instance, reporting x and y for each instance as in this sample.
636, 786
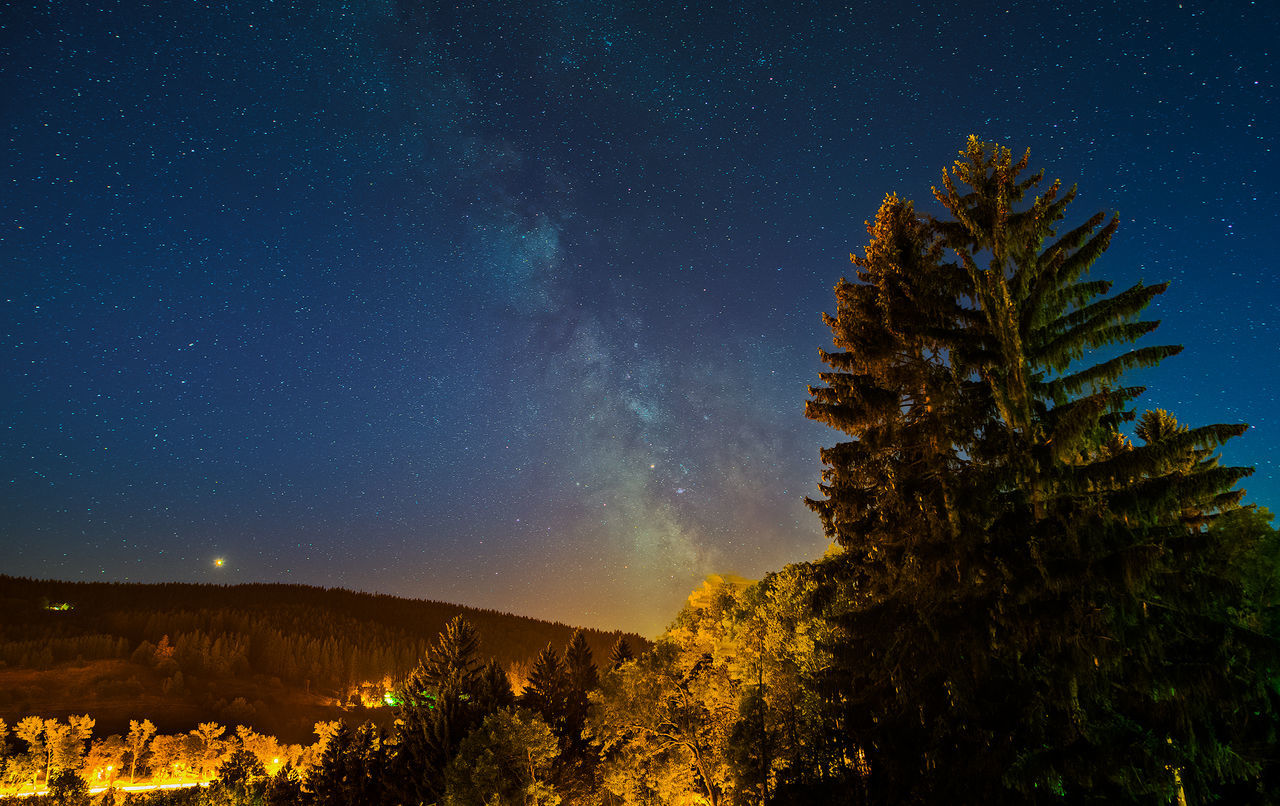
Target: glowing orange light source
219, 562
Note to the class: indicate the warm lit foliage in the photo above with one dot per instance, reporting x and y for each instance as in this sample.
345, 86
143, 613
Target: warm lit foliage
136, 742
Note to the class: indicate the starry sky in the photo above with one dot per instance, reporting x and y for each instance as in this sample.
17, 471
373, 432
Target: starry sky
514, 304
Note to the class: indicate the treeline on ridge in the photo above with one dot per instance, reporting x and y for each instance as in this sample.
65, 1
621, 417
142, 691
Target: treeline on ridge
329, 639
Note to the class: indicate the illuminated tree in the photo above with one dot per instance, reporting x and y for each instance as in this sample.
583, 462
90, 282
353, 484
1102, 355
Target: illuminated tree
784, 745
105, 760
325, 731
21, 771
55, 738
173, 757
164, 754
1014, 575
70, 749
266, 749
663, 724
31, 730
57, 746
212, 748
164, 657
510, 759
136, 741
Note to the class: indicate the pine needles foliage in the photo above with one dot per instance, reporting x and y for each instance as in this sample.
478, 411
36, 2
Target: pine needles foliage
1030, 607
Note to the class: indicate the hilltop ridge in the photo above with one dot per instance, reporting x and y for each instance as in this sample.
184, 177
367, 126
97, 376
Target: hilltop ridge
272, 655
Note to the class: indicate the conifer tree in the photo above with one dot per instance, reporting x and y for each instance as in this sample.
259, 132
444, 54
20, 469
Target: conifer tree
621, 653
583, 678
136, 741
1004, 546
579, 664
547, 692
439, 705
494, 688
351, 769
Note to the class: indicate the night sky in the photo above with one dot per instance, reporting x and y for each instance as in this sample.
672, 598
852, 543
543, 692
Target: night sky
515, 304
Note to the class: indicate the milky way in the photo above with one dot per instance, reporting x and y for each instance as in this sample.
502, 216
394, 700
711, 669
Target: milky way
515, 305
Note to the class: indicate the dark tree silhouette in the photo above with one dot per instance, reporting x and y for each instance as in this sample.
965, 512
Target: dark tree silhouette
352, 769
1019, 586
440, 703
621, 653
547, 692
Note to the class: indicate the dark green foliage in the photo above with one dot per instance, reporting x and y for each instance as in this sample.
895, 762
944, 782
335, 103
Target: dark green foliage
579, 664
494, 688
578, 756
548, 690
1252, 546
583, 679
754, 743
1030, 607
285, 788
441, 702
241, 780
452, 667
352, 770
510, 758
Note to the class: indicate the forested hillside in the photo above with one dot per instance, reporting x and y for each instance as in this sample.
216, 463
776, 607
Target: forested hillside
197, 646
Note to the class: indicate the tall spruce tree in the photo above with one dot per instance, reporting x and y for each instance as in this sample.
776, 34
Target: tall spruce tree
584, 678
620, 653
440, 703
549, 690
1017, 580
351, 769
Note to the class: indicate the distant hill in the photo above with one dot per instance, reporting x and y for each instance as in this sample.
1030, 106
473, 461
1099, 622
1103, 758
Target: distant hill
277, 657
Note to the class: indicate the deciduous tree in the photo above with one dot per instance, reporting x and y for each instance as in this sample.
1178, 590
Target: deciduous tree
212, 747
663, 724
509, 760
241, 780
105, 760
136, 741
